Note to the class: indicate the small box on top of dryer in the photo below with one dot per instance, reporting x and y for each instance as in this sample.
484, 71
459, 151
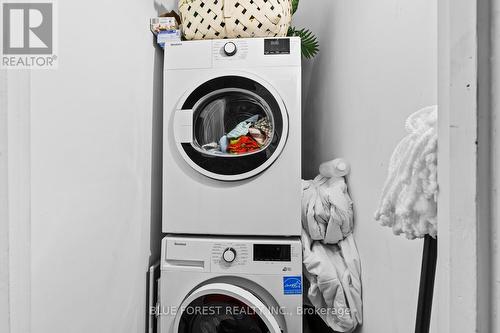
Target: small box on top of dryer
166, 28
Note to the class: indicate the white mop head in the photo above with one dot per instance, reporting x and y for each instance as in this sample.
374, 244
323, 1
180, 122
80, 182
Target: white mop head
409, 199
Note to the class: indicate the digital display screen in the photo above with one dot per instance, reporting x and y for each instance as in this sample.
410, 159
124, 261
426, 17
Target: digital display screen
277, 46
271, 252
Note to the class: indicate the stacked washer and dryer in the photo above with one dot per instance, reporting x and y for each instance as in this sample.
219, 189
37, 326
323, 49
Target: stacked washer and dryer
232, 258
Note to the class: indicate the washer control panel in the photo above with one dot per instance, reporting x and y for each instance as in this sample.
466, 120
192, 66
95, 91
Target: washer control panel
265, 257
230, 254
227, 255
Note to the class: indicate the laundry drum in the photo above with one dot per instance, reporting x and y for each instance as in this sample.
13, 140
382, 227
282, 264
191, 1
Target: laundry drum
224, 308
231, 128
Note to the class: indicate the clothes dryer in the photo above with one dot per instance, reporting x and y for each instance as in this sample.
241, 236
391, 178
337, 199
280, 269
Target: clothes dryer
232, 143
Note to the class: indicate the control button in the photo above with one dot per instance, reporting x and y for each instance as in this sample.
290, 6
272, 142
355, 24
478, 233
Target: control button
230, 49
229, 254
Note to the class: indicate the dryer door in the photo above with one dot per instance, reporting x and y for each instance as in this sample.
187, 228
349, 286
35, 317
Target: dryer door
231, 127
221, 308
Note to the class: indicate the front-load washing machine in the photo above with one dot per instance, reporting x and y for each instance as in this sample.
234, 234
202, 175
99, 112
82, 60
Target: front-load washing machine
232, 143
218, 285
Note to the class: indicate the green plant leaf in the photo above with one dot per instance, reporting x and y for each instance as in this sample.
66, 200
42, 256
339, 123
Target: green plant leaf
309, 42
295, 6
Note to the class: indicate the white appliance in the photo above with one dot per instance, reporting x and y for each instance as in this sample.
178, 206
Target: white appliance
216, 185
230, 285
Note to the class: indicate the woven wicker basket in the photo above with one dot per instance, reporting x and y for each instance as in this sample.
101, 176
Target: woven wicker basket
211, 19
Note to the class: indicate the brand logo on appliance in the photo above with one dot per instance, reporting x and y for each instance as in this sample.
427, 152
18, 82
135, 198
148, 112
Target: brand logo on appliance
292, 285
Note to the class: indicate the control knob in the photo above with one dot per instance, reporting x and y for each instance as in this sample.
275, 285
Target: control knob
229, 255
230, 49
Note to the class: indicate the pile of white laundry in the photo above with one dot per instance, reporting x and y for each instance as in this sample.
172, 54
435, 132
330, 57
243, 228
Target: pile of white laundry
331, 259
409, 198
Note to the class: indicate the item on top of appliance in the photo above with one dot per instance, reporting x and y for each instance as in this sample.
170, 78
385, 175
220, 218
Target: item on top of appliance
165, 36
203, 19
163, 23
243, 144
331, 260
166, 28
409, 198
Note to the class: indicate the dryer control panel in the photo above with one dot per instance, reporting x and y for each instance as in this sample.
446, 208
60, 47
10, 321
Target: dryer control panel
234, 53
230, 255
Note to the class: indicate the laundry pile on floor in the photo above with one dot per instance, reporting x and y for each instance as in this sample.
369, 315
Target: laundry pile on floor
409, 199
248, 136
331, 259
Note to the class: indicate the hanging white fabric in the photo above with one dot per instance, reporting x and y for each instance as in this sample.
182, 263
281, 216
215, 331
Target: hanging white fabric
331, 260
409, 198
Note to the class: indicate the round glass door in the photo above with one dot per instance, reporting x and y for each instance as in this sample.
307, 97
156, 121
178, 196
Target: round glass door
233, 122
233, 128
224, 308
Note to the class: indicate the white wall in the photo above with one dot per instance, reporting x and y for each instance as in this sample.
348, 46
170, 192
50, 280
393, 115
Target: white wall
91, 147
377, 64
4, 225
495, 167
